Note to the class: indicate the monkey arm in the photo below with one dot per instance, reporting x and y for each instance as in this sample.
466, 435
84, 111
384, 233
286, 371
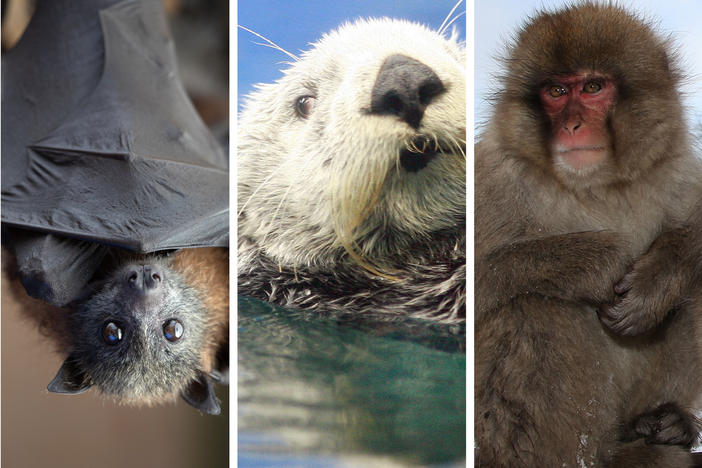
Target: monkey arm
573, 266
658, 282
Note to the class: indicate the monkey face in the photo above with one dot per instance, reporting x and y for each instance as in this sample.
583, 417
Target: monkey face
578, 106
139, 338
591, 106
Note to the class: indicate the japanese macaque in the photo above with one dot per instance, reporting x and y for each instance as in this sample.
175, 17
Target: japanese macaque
154, 328
584, 164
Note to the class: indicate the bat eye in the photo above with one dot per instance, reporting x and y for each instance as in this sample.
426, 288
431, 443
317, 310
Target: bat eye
111, 333
173, 330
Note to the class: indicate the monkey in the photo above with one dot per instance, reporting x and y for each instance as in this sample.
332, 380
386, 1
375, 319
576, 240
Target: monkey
586, 161
152, 328
352, 177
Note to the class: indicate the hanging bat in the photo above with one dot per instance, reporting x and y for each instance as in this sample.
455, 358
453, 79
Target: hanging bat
107, 173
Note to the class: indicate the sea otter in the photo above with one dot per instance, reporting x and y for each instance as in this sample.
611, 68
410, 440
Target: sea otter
352, 176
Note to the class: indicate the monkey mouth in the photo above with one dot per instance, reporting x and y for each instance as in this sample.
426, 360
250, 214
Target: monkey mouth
565, 149
419, 152
581, 157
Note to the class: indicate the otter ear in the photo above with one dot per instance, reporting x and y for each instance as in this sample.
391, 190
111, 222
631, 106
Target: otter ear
200, 395
70, 380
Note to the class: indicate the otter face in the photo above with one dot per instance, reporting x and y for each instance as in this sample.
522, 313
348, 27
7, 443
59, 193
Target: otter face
360, 146
139, 338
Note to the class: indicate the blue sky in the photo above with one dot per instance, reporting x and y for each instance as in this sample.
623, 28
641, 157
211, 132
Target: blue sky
294, 24
497, 19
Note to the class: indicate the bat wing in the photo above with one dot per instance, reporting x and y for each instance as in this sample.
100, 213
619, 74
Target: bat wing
129, 164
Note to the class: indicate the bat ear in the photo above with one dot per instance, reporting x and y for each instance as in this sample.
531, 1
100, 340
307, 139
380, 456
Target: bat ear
70, 379
200, 395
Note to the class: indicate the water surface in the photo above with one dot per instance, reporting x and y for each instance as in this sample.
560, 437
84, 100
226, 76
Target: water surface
337, 391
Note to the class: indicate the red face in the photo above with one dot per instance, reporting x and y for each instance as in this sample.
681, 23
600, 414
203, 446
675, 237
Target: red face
578, 106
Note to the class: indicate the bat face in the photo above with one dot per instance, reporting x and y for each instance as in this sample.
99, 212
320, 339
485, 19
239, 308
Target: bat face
139, 338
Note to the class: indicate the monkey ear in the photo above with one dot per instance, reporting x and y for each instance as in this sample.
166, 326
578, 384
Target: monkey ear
200, 395
70, 380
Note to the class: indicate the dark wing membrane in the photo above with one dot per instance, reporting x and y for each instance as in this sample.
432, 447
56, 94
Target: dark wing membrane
103, 143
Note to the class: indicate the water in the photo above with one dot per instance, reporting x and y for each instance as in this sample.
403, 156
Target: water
336, 391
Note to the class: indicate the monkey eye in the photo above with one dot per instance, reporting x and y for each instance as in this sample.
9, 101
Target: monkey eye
556, 91
111, 333
592, 87
305, 105
173, 330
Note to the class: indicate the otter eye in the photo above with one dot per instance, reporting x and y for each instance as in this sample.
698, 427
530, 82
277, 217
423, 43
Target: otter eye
111, 333
591, 87
556, 91
173, 330
304, 105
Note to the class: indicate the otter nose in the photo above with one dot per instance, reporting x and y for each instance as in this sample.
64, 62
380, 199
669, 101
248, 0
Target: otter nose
144, 278
404, 87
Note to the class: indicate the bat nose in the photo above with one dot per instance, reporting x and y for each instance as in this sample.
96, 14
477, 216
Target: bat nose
144, 278
404, 87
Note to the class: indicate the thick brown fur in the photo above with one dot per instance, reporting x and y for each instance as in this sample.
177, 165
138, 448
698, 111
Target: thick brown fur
663, 280
206, 270
554, 385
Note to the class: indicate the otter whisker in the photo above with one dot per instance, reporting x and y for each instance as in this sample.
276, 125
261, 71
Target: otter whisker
446, 23
425, 143
273, 45
271, 221
412, 147
456, 145
253, 194
454, 19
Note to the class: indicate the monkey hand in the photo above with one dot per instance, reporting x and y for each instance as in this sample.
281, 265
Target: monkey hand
651, 289
667, 424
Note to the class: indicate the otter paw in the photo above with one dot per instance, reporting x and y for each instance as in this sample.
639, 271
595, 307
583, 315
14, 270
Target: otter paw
668, 425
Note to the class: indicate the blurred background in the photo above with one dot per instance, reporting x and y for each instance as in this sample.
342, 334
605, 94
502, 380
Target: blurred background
42, 429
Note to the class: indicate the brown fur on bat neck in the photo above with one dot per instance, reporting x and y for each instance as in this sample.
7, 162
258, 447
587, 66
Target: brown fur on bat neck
140, 340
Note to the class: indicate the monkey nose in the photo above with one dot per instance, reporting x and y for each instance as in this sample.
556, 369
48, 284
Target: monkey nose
144, 278
404, 87
571, 126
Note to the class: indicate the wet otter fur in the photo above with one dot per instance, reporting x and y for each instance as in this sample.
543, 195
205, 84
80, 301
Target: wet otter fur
351, 176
